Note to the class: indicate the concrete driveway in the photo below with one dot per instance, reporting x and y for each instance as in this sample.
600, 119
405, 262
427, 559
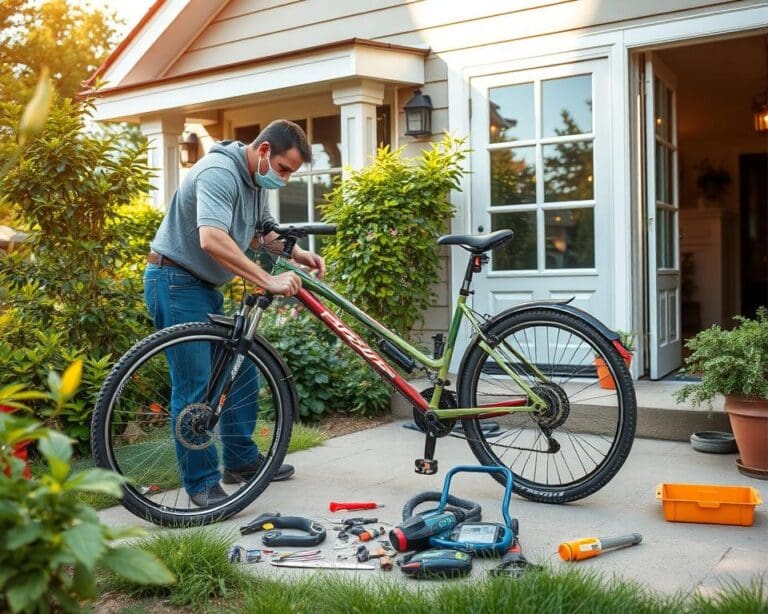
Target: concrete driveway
377, 465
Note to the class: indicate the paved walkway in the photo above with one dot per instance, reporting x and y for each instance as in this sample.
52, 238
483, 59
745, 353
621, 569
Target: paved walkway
377, 465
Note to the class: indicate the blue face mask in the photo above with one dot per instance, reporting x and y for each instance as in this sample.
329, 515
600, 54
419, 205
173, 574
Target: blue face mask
270, 180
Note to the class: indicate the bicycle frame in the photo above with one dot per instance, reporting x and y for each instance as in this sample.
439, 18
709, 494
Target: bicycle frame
441, 365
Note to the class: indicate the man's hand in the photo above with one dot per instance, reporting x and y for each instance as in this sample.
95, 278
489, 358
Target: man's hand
309, 259
285, 284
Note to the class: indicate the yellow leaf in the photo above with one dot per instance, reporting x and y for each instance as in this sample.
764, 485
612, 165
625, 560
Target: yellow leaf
71, 379
36, 112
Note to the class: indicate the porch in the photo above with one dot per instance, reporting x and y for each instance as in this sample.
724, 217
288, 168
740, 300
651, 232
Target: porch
659, 416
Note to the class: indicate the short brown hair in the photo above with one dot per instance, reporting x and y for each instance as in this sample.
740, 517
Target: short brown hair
283, 135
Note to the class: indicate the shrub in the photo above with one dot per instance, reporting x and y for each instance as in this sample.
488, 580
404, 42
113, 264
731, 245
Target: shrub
328, 375
50, 542
73, 290
389, 215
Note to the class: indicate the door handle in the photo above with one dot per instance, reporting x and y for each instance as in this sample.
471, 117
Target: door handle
480, 229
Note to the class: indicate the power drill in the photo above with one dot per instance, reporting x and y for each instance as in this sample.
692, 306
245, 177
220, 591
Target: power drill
414, 533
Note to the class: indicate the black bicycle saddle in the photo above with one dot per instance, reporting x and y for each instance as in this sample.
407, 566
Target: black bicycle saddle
477, 244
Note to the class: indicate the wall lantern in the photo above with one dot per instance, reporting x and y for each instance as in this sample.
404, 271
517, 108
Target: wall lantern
760, 103
188, 149
418, 115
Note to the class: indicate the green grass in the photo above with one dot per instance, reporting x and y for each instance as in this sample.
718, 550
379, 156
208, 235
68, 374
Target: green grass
206, 581
164, 473
198, 559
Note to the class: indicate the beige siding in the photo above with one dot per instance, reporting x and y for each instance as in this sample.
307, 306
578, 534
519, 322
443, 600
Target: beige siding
241, 32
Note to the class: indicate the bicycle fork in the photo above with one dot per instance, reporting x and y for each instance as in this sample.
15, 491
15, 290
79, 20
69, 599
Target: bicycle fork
227, 367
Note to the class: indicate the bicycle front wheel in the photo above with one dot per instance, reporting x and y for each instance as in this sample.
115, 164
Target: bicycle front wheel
574, 445
153, 425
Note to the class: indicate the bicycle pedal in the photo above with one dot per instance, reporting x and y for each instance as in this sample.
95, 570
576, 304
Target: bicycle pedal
426, 466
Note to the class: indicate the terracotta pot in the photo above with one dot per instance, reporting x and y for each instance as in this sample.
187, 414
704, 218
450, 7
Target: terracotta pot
604, 377
749, 422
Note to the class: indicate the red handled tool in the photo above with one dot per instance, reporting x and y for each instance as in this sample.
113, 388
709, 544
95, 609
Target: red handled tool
336, 506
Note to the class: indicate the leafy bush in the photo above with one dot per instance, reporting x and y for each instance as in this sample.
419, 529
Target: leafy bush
389, 215
731, 362
50, 542
73, 290
328, 375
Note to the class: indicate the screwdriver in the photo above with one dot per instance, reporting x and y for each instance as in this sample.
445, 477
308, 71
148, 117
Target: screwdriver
588, 547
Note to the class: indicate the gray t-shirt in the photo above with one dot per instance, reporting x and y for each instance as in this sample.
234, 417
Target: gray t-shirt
218, 191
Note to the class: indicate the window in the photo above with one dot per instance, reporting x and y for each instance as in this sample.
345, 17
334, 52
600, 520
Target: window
299, 201
541, 172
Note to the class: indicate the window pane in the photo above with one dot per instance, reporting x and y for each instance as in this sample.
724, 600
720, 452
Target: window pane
570, 238
511, 113
247, 134
566, 106
665, 239
520, 252
513, 176
326, 142
383, 126
321, 185
293, 201
568, 171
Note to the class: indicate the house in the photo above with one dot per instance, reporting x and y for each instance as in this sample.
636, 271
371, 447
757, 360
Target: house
616, 138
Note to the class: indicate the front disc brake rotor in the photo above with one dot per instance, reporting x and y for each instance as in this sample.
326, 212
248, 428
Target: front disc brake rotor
192, 427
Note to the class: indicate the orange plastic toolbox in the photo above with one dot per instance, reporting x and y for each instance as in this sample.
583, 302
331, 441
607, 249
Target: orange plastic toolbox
708, 504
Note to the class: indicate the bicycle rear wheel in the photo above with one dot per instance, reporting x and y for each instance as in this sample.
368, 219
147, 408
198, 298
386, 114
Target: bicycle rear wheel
574, 446
136, 433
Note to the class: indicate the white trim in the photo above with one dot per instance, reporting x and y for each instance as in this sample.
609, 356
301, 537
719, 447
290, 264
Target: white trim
143, 42
353, 61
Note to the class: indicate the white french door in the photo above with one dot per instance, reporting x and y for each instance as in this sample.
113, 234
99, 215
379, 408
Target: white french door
541, 166
662, 210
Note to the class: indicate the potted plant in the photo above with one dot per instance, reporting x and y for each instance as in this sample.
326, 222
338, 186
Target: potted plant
734, 363
604, 378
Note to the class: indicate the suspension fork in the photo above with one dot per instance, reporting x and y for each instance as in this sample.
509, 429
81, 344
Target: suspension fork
228, 365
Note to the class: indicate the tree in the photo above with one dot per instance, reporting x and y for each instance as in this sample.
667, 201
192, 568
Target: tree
71, 40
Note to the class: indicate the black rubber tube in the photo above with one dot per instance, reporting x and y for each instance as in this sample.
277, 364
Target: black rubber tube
472, 511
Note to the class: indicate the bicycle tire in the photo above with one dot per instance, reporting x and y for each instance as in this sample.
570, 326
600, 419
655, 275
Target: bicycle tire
130, 396
585, 419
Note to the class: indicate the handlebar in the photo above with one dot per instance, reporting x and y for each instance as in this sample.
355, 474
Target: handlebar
299, 231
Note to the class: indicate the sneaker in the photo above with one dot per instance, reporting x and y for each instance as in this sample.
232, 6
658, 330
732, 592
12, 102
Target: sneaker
233, 476
213, 496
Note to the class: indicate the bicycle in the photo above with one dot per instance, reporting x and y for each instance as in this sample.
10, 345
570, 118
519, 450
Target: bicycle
530, 368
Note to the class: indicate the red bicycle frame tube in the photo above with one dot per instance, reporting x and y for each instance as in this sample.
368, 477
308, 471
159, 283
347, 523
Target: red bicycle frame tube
353, 340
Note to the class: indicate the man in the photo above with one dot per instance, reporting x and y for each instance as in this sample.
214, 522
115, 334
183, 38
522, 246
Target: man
219, 209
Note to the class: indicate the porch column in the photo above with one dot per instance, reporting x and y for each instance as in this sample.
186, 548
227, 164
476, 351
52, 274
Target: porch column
358, 100
163, 132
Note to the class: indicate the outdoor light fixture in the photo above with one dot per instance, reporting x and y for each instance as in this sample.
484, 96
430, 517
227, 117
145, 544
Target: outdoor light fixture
188, 147
760, 103
418, 115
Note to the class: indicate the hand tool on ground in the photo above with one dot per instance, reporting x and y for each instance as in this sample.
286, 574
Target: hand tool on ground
588, 547
336, 506
513, 563
351, 524
362, 554
323, 565
369, 534
238, 553
315, 533
436, 563
301, 555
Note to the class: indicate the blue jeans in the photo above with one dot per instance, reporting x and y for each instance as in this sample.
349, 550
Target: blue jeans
174, 296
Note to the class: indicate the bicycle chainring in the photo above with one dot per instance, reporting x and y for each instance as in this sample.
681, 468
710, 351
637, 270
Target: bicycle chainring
192, 427
441, 428
558, 407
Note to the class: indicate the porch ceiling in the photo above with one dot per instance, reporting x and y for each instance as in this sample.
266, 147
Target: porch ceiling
305, 68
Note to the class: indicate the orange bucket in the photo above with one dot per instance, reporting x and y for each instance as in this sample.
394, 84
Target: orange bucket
706, 503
